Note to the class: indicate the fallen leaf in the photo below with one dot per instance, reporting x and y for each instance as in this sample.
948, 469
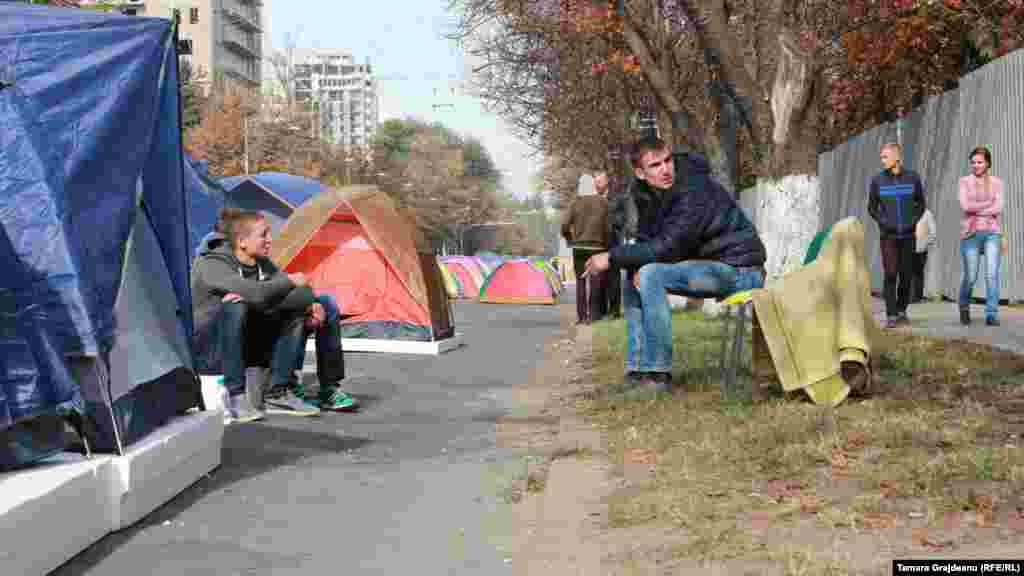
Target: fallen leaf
983, 519
855, 441
876, 520
809, 503
640, 456
922, 538
783, 488
980, 502
887, 488
840, 462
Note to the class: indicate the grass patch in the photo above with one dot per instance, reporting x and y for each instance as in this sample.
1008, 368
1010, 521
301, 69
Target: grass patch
943, 413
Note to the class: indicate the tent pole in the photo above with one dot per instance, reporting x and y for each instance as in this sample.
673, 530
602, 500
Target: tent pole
184, 197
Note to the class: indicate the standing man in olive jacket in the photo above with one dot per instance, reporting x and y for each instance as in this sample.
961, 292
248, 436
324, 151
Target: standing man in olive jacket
692, 239
896, 202
585, 227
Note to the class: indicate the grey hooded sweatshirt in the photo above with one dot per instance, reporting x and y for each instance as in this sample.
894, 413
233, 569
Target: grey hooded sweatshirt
216, 273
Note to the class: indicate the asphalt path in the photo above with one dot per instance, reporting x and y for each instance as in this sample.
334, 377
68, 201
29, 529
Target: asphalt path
414, 483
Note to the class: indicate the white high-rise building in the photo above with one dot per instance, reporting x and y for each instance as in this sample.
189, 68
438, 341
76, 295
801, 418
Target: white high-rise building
343, 92
226, 35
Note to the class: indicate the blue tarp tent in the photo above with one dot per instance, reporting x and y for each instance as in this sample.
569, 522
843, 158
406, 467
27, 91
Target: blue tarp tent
274, 193
95, 309
205, 200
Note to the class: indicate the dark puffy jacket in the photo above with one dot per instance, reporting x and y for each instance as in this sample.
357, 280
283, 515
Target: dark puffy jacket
896, 202
696, 220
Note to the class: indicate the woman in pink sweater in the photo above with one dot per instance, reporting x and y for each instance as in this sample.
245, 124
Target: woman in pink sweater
981, 199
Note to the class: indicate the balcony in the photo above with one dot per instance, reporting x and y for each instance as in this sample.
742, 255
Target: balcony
238, 72
240, 16
244, 44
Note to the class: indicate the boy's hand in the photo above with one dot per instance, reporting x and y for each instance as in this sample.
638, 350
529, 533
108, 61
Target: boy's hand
299, 279
597, 263
315, 316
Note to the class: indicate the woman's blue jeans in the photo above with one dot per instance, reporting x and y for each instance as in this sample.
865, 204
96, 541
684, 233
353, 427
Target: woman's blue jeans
971, 250
647, 312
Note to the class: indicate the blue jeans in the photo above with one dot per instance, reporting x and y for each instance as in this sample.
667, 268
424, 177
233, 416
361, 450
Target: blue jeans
647, 312
970, 257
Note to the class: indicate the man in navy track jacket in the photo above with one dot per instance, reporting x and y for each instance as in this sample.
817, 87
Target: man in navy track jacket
896, 202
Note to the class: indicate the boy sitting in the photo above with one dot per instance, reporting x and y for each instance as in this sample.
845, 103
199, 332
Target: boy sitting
249, 313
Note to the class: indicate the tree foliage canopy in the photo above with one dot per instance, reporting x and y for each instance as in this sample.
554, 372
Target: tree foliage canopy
794, 74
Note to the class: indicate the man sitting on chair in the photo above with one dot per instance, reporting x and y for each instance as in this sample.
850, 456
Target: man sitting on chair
692, 239
249, 313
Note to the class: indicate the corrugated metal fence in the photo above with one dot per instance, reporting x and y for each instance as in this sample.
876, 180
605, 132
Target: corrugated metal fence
986, 110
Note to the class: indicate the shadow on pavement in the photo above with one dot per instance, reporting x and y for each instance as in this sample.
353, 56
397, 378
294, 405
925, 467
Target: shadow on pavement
249, 450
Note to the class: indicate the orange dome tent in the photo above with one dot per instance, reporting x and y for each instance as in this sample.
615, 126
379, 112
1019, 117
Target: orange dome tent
354, 244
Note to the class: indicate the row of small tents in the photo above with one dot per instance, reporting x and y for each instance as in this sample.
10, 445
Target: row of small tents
497, 279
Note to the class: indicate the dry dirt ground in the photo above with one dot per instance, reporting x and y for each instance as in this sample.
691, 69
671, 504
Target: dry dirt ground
563, 511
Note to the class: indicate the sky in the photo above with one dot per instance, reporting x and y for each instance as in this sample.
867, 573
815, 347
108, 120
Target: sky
404, 41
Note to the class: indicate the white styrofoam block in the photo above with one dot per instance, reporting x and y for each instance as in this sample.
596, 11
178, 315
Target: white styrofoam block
162, 464
433, 348
52, 511
213, 391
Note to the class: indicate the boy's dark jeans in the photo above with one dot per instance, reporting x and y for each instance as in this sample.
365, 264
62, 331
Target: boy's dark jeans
240, 337
330, 361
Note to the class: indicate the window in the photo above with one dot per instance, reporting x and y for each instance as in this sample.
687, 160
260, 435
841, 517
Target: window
193, 15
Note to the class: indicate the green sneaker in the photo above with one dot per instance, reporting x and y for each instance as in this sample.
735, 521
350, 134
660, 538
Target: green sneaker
335, 399
288, 402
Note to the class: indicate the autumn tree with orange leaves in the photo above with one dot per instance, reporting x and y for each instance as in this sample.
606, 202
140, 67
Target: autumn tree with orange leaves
797, 74
273, 134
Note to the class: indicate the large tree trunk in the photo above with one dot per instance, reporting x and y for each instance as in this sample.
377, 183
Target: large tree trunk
781, 107
786, 212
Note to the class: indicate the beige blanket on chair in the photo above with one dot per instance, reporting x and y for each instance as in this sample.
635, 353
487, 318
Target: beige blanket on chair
819, 317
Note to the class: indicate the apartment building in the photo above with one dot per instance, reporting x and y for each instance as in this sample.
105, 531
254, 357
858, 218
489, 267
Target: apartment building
226, 35
343, 92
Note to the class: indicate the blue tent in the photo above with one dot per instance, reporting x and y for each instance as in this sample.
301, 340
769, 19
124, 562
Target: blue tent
94, 235
205, 200
274, 193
